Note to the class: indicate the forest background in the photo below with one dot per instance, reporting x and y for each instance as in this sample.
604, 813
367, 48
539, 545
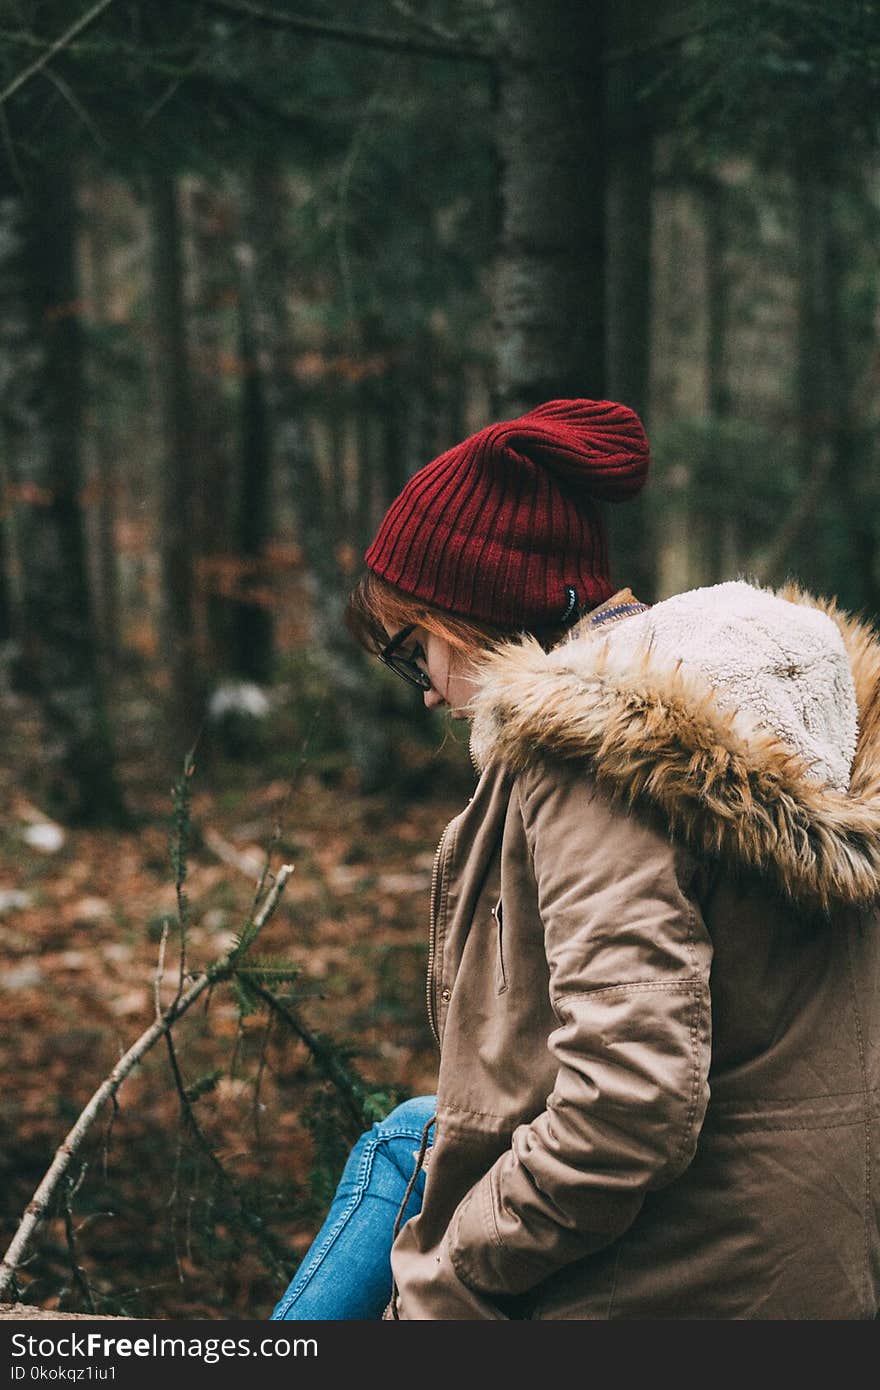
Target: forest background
258, 263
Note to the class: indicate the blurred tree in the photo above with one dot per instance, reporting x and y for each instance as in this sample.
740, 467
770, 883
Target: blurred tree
794, 86
211, 221
6, 628
97, 254
254, 657
779, 75
60, 654
207, 85
630, 134
631, 119
173, 373
319, 503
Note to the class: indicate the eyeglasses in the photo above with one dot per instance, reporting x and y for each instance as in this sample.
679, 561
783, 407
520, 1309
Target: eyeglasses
405, 665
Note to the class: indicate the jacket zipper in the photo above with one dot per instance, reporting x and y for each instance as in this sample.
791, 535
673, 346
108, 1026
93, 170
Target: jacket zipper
432, 939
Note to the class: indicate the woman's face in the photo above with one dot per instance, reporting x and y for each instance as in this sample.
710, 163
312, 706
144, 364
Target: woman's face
447, 668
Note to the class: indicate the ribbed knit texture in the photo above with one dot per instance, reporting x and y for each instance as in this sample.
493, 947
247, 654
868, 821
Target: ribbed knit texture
499, 527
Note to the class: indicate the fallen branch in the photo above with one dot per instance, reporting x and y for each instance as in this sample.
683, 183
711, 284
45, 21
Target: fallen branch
39, 1203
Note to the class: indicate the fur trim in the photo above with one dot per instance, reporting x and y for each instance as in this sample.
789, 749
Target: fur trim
653, 732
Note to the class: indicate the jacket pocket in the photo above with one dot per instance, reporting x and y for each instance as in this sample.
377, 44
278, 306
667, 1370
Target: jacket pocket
500, 972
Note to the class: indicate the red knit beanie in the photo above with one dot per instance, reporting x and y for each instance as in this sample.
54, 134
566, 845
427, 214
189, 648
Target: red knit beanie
504, 528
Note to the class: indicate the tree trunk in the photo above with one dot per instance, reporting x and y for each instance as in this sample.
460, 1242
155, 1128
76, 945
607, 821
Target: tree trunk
851, 444
822, 386
718, 300
550, 275
186, 702
254, 654
60, 651
721, 540
13, 337
630, 189
105, 450
354, 697
214, 349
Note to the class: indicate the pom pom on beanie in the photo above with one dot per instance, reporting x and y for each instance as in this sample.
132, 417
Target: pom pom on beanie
505, 528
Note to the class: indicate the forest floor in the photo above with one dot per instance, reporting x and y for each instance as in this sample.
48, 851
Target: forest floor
153, 1229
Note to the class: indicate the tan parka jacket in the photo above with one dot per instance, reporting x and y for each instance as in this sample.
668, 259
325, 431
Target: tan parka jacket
655, 975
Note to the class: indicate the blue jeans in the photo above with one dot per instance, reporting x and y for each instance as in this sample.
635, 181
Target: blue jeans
346, 1273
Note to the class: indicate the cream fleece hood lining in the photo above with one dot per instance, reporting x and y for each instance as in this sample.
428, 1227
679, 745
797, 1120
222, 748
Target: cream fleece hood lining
734, 772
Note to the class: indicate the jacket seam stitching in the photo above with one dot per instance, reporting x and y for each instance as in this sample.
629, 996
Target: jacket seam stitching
467, 1110
688, 985
717, 1103
697, 1014
489, 1204
737, 1126
522, 810
614, 1276
863, 1071
691, 933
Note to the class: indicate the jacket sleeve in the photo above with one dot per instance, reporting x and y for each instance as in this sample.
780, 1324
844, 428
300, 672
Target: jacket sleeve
629, 957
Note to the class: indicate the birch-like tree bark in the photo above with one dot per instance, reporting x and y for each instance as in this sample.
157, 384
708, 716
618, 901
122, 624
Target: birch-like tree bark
629, 279
550, 274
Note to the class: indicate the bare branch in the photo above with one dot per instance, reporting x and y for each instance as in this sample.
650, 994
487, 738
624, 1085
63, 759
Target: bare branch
160, 970
108, 1132
71, 1189
76, 106
60, 43
342, 33
766, 566
427, 26
39, 1203
437, 47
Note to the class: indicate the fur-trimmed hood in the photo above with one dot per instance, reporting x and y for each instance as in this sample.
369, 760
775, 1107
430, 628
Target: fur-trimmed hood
749, 717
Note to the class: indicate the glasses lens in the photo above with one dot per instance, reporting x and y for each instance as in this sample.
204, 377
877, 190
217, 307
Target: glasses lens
402, 660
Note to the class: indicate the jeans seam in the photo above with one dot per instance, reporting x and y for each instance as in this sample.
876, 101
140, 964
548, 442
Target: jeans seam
318, 1258
360, 1188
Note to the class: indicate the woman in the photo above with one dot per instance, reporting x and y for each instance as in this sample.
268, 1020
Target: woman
654, 966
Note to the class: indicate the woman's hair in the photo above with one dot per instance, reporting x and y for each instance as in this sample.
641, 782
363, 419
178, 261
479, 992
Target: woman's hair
377, 609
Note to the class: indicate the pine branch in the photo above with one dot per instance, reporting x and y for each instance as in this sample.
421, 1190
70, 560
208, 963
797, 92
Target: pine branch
179, 852
349, 1086
274, 1254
